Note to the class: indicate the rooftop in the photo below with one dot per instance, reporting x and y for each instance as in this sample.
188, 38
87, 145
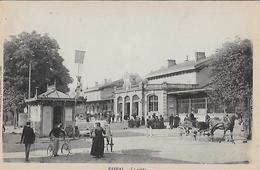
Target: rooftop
106, 85
187, 65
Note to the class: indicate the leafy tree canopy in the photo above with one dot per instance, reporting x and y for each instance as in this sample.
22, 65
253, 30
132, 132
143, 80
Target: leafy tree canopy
46, 67
232, 75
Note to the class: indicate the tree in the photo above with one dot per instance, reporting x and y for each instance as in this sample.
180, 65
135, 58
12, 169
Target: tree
41, 52
232, 77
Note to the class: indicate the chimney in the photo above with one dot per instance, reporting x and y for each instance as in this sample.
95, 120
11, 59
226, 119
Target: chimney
96, 83
199, 56
171, 62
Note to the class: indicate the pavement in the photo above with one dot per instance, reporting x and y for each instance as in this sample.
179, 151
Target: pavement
133, 146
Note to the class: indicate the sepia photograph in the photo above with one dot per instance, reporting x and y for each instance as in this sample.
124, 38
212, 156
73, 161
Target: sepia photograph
140, 83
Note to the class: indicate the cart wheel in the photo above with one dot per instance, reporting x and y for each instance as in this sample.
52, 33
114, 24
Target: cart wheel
65, 149
50, 151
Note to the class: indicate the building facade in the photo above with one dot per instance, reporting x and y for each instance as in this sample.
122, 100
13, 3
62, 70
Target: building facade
100, 100
175, 89
178, 88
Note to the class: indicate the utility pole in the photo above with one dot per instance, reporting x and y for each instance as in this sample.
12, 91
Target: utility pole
29, 92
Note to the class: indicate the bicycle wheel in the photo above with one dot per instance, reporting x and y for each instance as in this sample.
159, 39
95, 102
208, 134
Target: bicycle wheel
50, 151
65, 149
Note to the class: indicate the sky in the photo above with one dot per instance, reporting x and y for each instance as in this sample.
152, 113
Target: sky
133, 37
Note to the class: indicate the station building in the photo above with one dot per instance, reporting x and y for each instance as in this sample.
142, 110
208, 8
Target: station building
178, 88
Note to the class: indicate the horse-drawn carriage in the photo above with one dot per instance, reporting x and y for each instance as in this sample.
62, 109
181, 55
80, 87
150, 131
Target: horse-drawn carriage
195, 127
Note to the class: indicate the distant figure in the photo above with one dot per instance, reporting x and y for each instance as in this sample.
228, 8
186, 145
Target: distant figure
56, 133
171, 121
149, 126
143, 121
28, 138
161, 120
191, 116
176, 121
109, 118
113, 118
137, 121
207, 118
97, 148
3, 131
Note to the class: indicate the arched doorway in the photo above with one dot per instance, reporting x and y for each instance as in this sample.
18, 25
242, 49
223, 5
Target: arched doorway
135, 106
57, 115
127, 108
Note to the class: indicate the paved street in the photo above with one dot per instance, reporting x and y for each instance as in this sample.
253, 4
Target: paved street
133, 146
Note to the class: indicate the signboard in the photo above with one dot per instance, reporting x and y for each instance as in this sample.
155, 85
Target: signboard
35, 113
68, 114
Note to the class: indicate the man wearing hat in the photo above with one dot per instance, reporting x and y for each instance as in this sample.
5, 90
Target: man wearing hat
28, 138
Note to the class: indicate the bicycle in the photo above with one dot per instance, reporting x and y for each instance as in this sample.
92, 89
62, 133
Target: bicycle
65, 148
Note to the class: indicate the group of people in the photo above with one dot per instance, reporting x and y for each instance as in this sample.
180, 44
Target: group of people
174, 121
155, 122
136, 121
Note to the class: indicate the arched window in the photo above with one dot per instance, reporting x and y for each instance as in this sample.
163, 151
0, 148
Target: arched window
153, 103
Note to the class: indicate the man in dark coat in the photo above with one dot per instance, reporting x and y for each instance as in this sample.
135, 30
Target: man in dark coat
97, 148
27, 138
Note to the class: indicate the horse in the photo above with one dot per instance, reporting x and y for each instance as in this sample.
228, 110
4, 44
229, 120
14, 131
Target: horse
226, 124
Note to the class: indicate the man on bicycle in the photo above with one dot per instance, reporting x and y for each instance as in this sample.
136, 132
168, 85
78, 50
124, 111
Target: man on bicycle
55, 133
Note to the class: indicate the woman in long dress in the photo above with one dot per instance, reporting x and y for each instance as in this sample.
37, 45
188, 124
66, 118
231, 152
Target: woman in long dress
97, 148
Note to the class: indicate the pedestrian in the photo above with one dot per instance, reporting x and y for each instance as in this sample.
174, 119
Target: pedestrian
171, 121
149, 126
113, 118
137, 121
27, 138
161, 120
156, 123
3, 131
143, 120
176, 121
56, 133
97, 148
